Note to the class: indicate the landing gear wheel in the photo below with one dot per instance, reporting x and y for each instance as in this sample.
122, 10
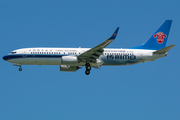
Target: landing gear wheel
20, 69
88, 67
87, 72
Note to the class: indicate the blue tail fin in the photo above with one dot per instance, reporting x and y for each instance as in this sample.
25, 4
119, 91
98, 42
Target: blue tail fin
159, 39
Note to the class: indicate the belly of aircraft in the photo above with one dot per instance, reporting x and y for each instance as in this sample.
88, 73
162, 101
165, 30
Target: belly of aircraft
119, 62
37, 61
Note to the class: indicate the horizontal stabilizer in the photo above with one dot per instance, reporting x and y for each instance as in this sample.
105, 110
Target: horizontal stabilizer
164, 50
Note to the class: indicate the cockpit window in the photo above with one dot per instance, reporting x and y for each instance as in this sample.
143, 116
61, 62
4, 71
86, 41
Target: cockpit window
13, 52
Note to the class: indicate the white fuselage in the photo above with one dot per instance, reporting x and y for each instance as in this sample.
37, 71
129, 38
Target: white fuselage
70, 59
52, 56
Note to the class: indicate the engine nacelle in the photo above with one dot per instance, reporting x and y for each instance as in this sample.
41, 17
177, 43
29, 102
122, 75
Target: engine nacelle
69, 60
68, 68
99, 62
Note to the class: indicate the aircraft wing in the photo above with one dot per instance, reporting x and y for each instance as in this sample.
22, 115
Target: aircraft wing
96, 51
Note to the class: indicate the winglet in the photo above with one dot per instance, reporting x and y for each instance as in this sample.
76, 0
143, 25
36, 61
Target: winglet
114, 34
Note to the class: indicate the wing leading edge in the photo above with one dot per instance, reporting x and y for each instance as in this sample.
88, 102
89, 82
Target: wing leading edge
96, 51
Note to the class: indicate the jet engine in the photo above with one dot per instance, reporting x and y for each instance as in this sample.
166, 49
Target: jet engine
99, 62
69, 60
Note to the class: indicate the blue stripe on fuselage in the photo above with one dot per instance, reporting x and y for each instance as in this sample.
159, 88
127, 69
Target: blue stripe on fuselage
17, 56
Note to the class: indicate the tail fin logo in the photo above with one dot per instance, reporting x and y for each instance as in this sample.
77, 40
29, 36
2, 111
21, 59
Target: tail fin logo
160, 37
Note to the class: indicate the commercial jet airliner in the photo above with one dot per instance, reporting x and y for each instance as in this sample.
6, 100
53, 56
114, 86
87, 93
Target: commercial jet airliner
71, 59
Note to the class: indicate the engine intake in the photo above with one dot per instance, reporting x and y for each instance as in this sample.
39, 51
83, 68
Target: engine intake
69, 60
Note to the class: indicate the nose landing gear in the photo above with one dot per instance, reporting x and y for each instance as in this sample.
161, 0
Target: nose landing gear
20, 69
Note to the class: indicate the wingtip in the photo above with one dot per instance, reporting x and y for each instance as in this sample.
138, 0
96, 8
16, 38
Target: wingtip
114, 34
116, 31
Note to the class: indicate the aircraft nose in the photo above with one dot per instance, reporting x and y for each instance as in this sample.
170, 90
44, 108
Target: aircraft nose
5, 57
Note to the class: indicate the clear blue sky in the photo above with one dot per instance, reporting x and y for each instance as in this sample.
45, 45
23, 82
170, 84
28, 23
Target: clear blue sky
148, 91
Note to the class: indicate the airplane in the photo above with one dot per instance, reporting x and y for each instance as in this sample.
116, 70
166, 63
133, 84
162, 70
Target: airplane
72, 59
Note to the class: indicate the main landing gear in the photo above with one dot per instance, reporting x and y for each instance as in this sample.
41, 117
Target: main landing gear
88, 68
